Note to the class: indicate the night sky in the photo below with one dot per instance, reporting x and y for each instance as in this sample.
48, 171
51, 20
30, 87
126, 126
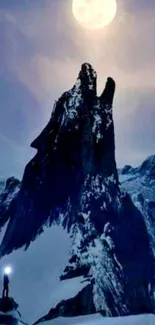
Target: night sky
41, 50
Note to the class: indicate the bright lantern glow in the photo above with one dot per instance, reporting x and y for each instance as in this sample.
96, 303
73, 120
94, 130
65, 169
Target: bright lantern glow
7, 270
94, 14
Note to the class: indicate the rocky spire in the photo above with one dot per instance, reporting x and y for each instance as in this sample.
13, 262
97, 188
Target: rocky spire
73, 180
78, 142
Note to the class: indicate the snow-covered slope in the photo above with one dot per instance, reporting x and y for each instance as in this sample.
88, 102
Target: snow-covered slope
36, 271
72, 182
100, 320
140, 183
10, 319
140, 180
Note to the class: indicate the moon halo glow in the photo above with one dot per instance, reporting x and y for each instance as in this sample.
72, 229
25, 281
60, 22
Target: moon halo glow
94, 14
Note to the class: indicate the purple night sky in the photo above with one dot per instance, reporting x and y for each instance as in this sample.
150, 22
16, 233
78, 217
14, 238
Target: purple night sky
41, 50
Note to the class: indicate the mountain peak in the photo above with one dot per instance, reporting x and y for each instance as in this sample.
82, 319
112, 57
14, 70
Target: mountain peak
148, 166
76, 145
72, 180
108, 93
88, 77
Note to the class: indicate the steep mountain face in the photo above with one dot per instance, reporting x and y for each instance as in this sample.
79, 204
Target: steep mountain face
140, 179
73, 181
11, 188
140, 183
75, 147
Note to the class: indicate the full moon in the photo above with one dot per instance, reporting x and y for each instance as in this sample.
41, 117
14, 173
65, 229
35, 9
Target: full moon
94, 14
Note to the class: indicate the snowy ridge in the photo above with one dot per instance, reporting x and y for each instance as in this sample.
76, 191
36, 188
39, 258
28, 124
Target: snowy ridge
140, 183
94, 254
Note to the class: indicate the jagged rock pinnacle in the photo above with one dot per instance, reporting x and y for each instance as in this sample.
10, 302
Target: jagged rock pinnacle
73, 180
108, 93
88, 78
77, 142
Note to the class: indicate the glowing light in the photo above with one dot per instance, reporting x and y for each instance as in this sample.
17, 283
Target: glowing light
94, 14
7, 270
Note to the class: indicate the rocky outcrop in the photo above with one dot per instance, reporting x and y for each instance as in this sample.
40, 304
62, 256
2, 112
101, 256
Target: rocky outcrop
81, 304
127, 169
73, 180
9, 313
11, 189
8, 304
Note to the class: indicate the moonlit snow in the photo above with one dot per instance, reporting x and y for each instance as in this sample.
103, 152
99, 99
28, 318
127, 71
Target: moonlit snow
67, 289
36, 272
99, 320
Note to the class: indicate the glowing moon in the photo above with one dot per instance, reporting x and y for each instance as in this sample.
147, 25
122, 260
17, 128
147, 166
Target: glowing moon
94, 14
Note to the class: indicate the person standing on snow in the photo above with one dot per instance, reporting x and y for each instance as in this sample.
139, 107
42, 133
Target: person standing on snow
5, 286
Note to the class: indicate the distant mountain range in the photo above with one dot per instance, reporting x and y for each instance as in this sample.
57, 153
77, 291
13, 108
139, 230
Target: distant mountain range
140, 179
73, 181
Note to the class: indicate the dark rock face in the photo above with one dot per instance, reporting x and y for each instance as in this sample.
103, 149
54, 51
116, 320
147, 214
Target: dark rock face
8, 304
127, 169
140, 184
77, 143
80, 305
9, 314
11, 189
73, 180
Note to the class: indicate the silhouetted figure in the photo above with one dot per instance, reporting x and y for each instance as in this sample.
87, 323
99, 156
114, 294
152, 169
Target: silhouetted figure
5, 286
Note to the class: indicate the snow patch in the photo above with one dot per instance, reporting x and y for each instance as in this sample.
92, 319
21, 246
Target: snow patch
67, 289
36, 271
97, 319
